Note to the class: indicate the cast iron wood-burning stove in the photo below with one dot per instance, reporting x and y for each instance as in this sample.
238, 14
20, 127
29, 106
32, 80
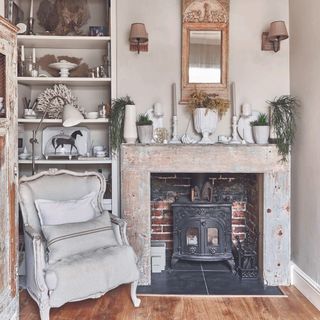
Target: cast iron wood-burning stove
202, 232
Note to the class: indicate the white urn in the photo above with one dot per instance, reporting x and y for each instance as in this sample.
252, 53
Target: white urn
205, 122
130, 129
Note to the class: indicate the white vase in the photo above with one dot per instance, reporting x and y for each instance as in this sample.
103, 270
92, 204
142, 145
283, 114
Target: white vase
130, 129
261, 134
145, 133
205, 122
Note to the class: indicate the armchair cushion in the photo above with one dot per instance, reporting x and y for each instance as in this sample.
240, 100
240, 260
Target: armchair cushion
73, 238
91, 274
53, 212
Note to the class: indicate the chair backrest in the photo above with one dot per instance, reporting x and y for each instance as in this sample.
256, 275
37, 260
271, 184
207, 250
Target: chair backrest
57, 185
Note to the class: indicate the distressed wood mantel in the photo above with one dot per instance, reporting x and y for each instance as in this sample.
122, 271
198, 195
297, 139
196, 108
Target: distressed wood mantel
139, 161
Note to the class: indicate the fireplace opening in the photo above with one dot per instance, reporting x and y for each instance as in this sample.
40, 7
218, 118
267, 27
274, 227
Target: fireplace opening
207, 218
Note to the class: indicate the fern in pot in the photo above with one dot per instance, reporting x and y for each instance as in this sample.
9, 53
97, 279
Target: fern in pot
261, 129
145, 129
117, 120
283, 114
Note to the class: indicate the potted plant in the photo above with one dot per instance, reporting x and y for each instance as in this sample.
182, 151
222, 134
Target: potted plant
206, 109
117, 120
145, 128
283, 113
261, 129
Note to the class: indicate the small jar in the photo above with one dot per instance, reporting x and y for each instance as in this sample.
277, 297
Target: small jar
28, 67
102, 110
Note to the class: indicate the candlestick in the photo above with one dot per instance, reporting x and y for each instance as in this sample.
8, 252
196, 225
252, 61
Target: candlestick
33, 55
30, 26
235, 137
31, 9
22, 53
174, 99
233, 97
175, 138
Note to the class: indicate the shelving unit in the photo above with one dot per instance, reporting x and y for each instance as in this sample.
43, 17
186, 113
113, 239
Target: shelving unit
89, 91
40, 81
59, 121
66, 42
67, 162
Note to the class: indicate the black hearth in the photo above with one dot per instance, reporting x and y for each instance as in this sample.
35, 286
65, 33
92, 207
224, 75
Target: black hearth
202, 232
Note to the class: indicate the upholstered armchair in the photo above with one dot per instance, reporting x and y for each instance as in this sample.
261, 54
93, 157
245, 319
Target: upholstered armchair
74, 249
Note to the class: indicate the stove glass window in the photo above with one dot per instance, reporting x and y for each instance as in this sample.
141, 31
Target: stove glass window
213, 237
192, 236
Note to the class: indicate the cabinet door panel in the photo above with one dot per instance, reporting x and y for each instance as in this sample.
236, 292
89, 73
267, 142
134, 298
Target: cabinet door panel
8, 173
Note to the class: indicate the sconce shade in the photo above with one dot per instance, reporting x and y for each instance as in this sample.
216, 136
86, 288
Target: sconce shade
138, 33
278, 31
71, 116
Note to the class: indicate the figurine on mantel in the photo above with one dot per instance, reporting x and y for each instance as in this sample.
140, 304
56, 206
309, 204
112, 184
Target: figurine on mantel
244, 124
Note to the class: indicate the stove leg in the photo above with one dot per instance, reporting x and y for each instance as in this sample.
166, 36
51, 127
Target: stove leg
173, 262
232, 266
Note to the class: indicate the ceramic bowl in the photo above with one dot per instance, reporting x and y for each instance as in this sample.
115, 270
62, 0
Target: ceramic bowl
92, 115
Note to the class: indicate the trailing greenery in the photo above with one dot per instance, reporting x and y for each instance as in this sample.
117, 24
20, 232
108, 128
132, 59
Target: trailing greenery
262, 120
143, 120
283, 119
117, 120
201, 99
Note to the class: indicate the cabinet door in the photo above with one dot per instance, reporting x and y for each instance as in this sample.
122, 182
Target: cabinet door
8, 174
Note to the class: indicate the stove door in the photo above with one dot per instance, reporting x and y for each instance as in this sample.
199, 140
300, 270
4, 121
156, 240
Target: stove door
214, 238
191, 243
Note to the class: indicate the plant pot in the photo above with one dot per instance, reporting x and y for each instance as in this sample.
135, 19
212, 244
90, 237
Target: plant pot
261, 134
205, 122
145, 133
130, 128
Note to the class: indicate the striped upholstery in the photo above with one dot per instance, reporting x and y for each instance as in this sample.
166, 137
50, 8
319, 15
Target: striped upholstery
74, 238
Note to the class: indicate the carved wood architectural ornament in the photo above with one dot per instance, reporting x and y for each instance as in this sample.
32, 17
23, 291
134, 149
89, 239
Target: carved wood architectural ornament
206, 11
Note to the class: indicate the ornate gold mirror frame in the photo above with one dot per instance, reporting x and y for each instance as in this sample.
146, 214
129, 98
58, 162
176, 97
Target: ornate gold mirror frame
205, 16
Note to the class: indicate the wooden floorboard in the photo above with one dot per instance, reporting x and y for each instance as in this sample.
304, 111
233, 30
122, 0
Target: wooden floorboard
116, 305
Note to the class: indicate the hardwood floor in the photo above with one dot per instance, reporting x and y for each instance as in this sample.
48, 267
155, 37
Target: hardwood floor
116, 305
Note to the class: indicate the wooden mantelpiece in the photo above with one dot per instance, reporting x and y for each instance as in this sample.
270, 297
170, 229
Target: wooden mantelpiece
139, 161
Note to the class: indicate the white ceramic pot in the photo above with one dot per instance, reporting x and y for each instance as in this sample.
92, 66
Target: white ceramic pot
145, 133
130, 128
205, 122
261, 134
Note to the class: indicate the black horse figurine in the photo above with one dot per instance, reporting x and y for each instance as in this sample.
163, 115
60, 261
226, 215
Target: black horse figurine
60, 141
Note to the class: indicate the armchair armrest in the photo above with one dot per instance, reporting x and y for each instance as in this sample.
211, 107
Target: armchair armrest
35, 247
120, 228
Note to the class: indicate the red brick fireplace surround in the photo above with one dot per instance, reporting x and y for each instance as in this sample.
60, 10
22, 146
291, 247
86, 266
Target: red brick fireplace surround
141, 162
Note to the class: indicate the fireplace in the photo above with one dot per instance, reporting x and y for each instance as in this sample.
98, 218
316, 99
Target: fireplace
202, 232
138, 162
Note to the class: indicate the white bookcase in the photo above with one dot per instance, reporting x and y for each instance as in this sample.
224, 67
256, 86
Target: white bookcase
89, 91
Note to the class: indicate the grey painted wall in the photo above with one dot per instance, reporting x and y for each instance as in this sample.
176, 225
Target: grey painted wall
259, 75
305, 79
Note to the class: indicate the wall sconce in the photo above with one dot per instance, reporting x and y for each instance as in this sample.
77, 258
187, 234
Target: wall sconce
277, 32
138, 37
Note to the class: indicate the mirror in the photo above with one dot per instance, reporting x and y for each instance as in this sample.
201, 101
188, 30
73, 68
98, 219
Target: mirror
205, 56
205, 36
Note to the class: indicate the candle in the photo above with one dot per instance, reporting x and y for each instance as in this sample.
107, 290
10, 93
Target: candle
22, 53
31, 9
233, 97
174, 99
34, 55
246, 110
158, 109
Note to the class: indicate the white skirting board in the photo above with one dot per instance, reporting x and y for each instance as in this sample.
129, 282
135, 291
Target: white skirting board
308, 287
